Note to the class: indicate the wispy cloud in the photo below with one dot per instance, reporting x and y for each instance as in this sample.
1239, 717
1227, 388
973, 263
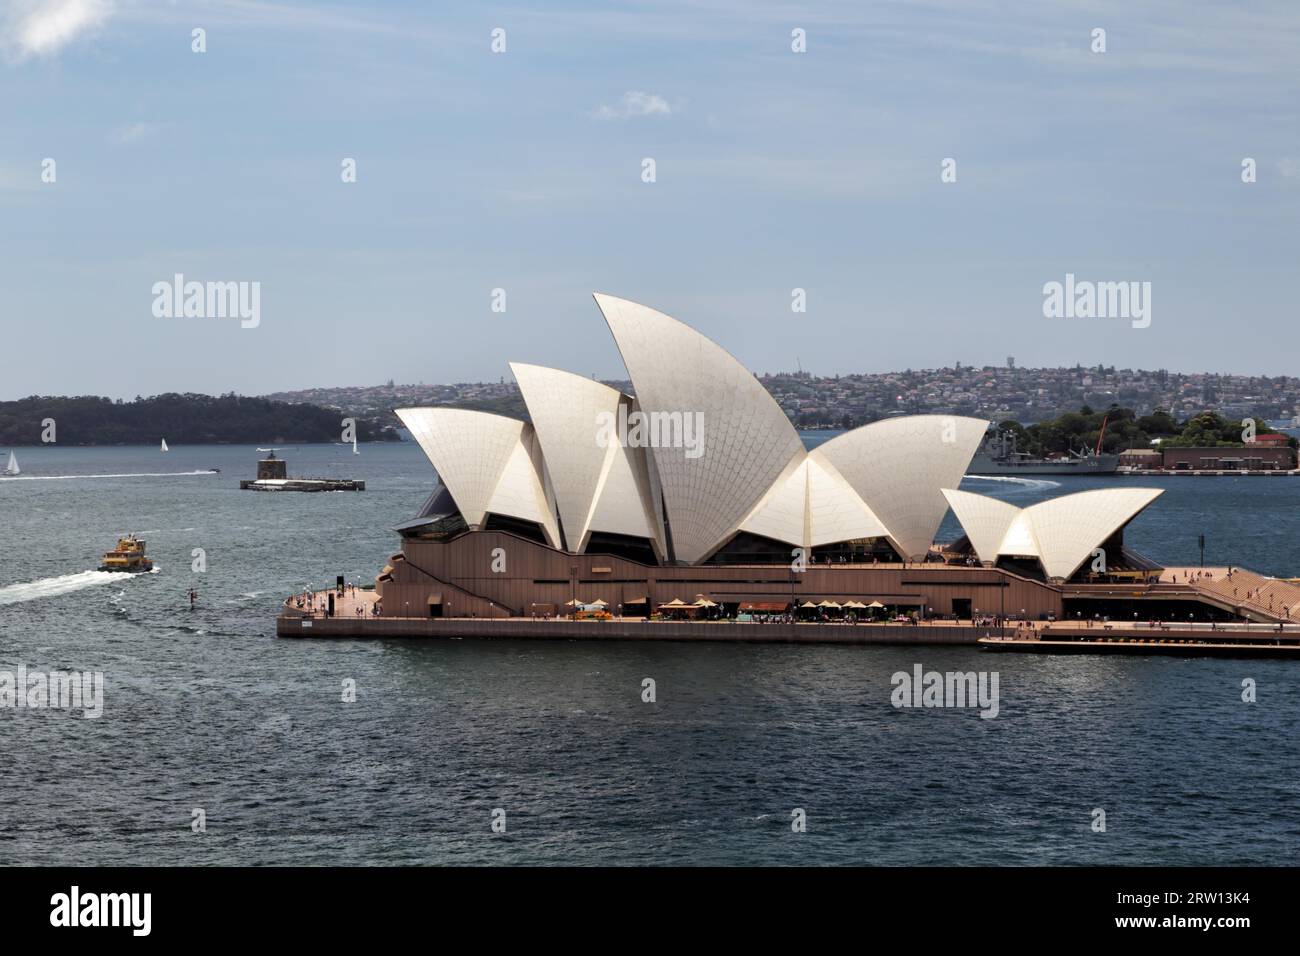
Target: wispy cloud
634, 103
132, 132
44, 27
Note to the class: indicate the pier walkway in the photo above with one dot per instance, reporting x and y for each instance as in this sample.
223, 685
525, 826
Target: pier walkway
353, 603
1247, 593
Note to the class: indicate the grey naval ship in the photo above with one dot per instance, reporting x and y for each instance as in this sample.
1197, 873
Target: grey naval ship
998, 456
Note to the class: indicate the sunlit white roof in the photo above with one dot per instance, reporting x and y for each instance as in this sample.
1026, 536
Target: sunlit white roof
782, 514
986, 522
716, 457
899, 468
565, 409
623, 500
597, 487
488, 462
1060, 532
1070, 527
747, 443
835, 511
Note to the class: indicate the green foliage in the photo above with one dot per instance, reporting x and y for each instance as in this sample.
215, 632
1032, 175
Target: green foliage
1208, 430
1075, 430
1159, 424
181, 419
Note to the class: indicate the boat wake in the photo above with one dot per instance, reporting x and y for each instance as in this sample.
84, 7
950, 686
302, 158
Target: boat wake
63, 584
142, 474
1026, 482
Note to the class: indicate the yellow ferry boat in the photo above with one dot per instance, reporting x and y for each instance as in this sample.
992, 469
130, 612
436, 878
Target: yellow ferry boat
127, 556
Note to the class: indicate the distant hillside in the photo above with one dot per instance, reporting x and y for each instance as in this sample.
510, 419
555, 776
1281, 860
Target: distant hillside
501, 398
181, 419
846, 401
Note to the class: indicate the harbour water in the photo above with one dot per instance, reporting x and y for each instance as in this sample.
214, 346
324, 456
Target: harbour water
205, 709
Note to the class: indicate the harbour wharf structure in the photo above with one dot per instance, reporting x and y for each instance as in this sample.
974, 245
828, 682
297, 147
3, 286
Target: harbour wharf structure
272, 475
692, 509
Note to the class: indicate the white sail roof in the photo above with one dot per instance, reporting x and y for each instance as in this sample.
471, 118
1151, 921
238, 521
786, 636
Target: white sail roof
1020, 538
813, 506
985, 520
488, 462
1069, 528
623, 502
746, 443
596, 483
733, 463
782, 514
899, 468
835, 511
1061, 532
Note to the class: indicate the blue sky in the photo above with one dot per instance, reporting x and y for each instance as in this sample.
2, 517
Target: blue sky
522, 170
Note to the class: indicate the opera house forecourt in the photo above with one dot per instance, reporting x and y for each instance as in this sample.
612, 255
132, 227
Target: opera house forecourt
692, 510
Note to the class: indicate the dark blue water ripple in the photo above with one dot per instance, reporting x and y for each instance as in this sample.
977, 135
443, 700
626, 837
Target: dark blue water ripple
206, 708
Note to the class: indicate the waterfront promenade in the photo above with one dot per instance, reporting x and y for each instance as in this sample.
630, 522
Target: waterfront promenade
354, 618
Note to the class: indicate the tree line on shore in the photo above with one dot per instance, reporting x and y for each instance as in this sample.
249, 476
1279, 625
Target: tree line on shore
206, 419
180, 419
1125, 429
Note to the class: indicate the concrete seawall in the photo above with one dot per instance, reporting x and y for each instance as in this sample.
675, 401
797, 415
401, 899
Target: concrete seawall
526, 628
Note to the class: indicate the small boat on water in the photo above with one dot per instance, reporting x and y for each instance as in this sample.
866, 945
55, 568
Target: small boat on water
12, 468
128, 556
164, 445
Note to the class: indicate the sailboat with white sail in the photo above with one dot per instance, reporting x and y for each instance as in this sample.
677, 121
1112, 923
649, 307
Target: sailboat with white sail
164, 445
12, 468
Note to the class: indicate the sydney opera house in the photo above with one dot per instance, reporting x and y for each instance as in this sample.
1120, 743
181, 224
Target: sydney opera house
697, 486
